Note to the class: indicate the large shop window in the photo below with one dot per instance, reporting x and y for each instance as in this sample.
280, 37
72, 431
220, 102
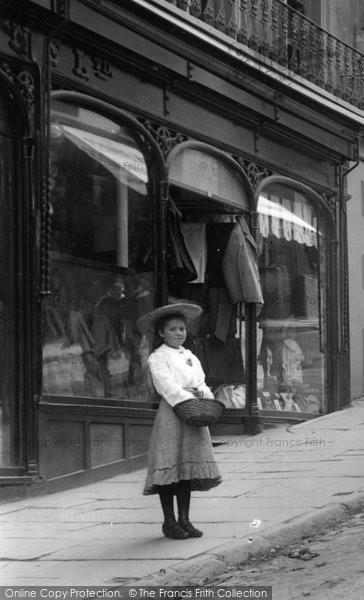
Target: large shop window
9, 354
208, 234
102, 258
292, 325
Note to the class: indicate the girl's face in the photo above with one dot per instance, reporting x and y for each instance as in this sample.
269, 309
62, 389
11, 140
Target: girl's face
174, 333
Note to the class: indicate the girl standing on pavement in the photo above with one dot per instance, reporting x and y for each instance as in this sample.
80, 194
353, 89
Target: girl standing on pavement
180, 457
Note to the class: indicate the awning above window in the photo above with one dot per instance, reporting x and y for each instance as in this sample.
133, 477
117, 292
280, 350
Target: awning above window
208, 175
124, 162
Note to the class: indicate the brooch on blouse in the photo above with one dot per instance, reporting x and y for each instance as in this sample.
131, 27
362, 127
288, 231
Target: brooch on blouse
189, 362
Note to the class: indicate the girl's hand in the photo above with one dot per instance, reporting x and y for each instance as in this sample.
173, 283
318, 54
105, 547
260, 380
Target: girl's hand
195, 392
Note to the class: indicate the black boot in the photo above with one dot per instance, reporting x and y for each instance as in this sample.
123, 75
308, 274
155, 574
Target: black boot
170, 527
183, 504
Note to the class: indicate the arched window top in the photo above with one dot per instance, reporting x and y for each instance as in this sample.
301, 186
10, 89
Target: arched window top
209, 173
140, 150
290, 210
112, 146
292, 187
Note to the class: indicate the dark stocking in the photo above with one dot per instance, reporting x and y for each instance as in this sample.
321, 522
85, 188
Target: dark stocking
183, 503
166, 498
170, 526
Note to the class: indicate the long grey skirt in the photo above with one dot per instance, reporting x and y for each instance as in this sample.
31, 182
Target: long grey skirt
179, 452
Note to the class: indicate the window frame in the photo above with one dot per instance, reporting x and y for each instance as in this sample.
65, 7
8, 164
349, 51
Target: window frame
157, 174
332, 306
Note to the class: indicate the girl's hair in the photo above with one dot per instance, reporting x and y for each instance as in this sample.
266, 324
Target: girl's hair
160, 324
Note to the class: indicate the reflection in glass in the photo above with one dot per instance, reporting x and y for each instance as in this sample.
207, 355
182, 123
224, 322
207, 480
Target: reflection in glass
292, 340
102, 259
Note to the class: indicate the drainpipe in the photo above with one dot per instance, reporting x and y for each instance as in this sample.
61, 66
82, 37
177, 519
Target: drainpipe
342, 258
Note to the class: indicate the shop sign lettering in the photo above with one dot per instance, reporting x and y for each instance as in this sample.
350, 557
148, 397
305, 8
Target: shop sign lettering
101, 68
84, 65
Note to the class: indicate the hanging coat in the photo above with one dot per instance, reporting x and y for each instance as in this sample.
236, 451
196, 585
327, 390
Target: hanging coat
180, 266
240, 265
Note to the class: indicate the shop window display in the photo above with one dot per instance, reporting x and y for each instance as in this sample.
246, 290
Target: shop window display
292, 265
102, 259
209, 248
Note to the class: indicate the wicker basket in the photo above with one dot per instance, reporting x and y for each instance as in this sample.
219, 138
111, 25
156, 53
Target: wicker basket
199, 412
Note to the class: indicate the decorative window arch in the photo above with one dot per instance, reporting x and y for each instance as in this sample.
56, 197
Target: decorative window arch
302, 187
157, 184
113, 112
295, 213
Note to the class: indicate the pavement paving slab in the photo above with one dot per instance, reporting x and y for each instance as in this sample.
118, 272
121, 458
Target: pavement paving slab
135, 549
32, 549
32, 531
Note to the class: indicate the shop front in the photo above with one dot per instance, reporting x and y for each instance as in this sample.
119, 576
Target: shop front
140, 185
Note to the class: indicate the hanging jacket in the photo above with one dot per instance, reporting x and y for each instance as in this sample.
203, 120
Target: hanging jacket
180, 266
240, 265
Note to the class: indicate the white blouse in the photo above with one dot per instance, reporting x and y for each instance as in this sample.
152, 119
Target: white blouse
174, 372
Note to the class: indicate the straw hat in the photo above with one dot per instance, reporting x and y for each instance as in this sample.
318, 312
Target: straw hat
189, 312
